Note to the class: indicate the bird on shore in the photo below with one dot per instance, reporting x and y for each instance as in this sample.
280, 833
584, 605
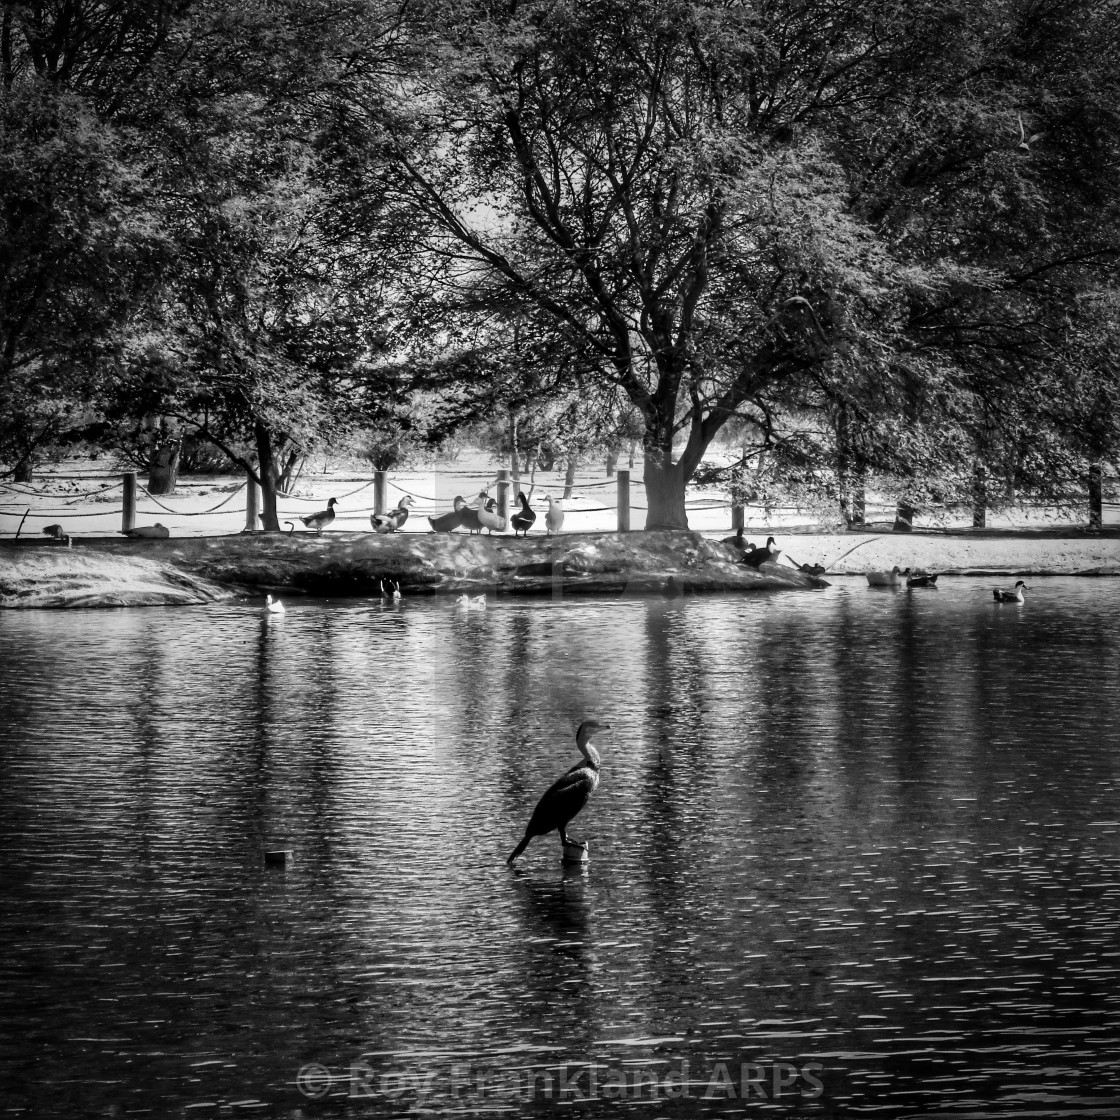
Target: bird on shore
920, 579
488, 515
319, 521
450, 521
554, 519
273, 606
151, 532
390, 522
567, 795
1002, 596
759, 556
522, 521
885, 579
738, 542
57, 533
470, 515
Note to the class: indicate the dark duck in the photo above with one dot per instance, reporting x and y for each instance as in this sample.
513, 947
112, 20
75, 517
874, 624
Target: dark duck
567, 795
390, 522
758, 556
450, 521
522, 521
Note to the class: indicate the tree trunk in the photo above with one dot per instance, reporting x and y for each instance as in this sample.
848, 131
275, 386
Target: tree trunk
514, 454
269, 475
1096, 496
979, 497
633, 452
570, 475
163, 466
904, 518
665, 488
289, 474
612, 461
24, 470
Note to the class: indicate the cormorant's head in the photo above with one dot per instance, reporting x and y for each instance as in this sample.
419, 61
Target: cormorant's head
590, 727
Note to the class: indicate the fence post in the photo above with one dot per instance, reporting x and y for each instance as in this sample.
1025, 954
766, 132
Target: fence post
252, 504
624, 501
128, 512
380, 492
738, 516
503, 496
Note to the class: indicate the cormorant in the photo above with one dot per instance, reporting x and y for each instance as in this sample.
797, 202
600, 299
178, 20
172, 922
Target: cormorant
554, 519
758, 556
319, 521
522, 521
1015, 596
568, 794
448, 522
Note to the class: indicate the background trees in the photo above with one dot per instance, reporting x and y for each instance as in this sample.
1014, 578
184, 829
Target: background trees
871, 238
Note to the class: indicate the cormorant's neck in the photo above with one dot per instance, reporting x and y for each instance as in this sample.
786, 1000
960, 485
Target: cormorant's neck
589, 752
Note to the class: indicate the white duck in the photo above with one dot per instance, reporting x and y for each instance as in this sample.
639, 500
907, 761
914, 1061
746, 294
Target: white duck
554, 519
893, 578
273, 606
471, 603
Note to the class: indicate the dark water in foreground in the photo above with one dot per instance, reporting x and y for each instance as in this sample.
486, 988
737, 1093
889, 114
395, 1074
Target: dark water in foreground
855, 853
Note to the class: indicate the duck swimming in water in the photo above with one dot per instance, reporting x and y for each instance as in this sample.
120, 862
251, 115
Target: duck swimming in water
319, 521
1016, 596
273, 606
390, 589
885, 579
522, 521
920, 579
567, 795
471, 603
450, 521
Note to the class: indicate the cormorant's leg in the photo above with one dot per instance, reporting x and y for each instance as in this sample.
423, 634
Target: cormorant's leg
568, 841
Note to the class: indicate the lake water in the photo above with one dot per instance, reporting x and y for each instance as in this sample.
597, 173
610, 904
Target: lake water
855, 852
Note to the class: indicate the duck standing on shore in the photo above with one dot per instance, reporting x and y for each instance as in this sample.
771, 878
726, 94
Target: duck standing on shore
759, 556
319, 521
390, 522
470, 515
450, 521
522, 521
554, 519
739, 543
488, 516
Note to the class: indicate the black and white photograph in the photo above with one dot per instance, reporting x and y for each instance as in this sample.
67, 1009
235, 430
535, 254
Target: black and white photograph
559, 558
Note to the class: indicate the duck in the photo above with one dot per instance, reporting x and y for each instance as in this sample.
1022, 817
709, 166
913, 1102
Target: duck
738, 543
522, 521
1016, 596
150, 532
450, 521
390, 589
471, 603
921, 579
470, 515
319, 521
759, 556
390, 522
273, 606
885, 579
57, 533
554, 519
490, 518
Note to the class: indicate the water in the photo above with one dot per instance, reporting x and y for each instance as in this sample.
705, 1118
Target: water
855, 852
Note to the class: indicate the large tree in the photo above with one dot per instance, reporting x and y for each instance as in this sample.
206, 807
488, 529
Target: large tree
729, 206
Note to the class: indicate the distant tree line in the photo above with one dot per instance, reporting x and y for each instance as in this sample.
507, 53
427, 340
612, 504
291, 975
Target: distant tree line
855, 239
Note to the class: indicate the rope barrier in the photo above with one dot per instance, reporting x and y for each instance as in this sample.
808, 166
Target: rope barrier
199, 513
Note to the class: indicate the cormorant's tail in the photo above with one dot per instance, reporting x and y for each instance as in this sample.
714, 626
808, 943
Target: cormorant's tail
519, 849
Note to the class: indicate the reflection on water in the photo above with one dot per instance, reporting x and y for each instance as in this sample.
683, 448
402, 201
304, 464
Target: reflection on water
853, 853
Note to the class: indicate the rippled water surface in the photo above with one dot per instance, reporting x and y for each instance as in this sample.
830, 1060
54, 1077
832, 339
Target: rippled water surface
855, 852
